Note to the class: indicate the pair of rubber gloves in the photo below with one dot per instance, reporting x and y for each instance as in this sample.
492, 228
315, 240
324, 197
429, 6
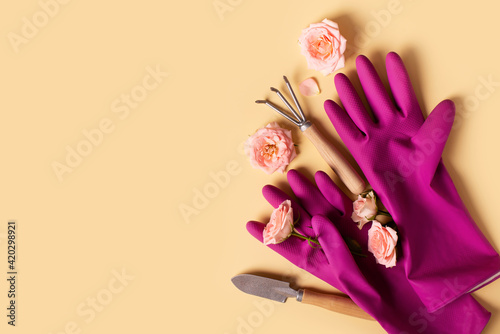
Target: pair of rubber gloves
443, 255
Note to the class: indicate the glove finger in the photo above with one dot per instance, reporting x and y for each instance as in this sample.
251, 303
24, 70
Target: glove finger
342, 263
276, 196
352, 103
348, 228
310, 197
401, 87
347, 130
336, 251
332, 193
376, 94
294, 249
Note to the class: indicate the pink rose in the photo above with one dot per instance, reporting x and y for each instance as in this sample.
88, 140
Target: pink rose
382, 243
323, 46
280, 226
364, 209
271, 148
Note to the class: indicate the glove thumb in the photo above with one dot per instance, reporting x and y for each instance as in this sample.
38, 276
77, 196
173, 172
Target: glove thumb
432, 136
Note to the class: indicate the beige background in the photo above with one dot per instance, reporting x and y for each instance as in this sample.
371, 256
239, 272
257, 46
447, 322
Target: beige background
119, 208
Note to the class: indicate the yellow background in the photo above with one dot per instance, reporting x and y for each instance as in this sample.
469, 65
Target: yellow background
119, 209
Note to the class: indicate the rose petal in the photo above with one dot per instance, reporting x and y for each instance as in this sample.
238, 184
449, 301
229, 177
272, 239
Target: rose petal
309, 87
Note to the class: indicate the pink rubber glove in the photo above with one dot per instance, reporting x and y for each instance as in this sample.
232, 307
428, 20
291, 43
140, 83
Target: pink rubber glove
384, 293
445, 254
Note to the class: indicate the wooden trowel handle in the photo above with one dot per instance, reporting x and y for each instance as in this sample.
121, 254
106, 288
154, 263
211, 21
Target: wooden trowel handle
335, 160
336, 303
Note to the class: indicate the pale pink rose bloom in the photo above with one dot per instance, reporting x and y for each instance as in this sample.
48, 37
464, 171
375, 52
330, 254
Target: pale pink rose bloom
323, 46
382, 244
280, 226
364, 209
271, 148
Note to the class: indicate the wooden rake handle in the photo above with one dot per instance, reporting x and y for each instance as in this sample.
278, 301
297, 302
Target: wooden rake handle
336, 160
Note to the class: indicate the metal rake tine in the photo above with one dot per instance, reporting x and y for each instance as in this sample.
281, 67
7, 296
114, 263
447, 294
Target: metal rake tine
294, 98
287, 103
275, 108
